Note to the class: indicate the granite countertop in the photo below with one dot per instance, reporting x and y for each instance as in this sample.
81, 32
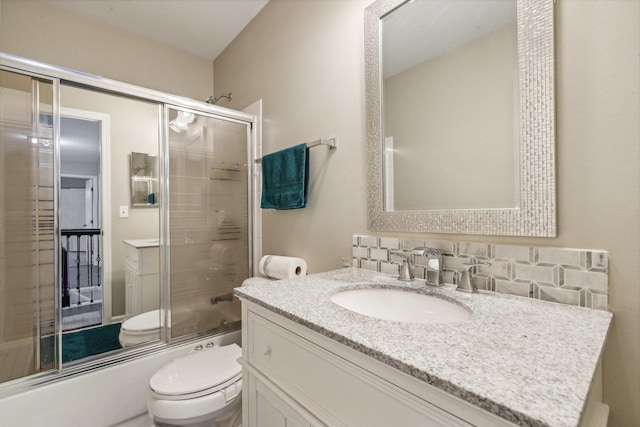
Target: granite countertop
527, 361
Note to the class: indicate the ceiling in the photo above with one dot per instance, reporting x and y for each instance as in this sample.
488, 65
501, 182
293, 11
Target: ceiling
202, 27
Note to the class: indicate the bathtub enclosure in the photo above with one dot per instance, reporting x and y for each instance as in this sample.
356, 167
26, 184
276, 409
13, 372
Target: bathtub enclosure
67, 205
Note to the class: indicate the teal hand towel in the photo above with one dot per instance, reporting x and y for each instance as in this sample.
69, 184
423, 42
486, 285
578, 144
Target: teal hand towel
285, 178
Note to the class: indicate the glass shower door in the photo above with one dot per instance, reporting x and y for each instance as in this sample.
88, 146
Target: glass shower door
209, 221
27, 226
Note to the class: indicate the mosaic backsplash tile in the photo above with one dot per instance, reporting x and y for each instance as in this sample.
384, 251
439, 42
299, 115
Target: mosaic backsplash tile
568, 276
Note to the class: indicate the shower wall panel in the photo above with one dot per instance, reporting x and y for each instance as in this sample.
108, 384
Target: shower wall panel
27, 261
209, 243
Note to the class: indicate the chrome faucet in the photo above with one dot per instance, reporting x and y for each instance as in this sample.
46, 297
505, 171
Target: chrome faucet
466, 284
434, 263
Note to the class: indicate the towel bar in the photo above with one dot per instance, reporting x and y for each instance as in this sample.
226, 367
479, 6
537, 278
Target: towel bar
331, 142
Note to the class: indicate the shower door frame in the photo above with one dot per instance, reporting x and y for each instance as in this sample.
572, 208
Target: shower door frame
58, 76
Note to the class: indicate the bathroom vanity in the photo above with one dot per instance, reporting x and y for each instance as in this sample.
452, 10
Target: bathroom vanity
141, 276
514, 361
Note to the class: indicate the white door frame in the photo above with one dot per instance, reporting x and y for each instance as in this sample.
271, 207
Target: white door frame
105, 197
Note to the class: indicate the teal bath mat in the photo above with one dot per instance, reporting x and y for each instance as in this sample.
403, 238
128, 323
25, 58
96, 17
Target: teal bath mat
81, 344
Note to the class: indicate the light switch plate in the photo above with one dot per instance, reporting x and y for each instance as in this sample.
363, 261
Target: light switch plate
124, 211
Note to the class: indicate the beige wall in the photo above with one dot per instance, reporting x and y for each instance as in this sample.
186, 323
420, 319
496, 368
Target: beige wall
305, 60
37, 30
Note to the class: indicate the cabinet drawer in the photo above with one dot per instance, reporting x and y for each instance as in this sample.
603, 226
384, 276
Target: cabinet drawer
268, 409
142, 260
335, 390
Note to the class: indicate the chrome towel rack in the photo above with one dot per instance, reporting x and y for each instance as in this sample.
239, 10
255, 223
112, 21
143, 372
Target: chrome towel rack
331, 142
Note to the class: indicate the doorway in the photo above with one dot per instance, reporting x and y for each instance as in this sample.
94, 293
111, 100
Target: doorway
80, 223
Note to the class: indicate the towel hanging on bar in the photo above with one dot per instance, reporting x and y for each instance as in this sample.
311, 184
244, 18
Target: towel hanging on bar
331, 142
285, 178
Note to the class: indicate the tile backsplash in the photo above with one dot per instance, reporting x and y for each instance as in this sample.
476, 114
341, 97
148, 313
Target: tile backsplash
568, 276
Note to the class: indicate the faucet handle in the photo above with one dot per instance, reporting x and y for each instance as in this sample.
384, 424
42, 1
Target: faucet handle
406, 275
400, 254
466, 284
469, 266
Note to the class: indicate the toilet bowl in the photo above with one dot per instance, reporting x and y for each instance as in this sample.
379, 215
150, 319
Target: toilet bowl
144, 327
200, 389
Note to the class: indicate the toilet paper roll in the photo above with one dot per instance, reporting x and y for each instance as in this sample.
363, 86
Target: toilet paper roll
282, 267
221, 253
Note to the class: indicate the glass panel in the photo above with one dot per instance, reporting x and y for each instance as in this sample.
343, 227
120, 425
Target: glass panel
209, 221
27, 257
110, 253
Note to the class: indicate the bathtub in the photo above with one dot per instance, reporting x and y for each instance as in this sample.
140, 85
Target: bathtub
110, 396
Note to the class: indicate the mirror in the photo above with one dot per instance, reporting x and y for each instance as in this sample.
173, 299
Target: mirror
447, 63
143, 172
460, 117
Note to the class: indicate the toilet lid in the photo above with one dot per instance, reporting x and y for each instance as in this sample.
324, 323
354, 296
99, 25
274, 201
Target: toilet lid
256, 281
143, 322
198, 371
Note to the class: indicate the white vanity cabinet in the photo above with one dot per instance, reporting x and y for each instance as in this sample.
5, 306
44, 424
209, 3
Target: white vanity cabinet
295, 376
141, 276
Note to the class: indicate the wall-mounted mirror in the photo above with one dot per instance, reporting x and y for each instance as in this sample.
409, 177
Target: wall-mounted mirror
143, 172
460, 116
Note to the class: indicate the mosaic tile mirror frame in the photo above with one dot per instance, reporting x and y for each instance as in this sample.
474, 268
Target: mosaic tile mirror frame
535, 214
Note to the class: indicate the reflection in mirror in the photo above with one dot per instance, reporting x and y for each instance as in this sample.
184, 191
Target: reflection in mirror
460, 132
143, 170
109, 261
209, 228
450, 105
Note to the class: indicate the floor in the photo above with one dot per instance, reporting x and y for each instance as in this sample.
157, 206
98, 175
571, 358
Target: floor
139, 421
82, 320
86, 313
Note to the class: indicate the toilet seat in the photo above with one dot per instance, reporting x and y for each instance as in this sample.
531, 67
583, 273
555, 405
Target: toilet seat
200, 373
143, 323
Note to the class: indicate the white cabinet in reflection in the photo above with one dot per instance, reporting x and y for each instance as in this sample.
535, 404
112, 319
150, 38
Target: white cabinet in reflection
141, 276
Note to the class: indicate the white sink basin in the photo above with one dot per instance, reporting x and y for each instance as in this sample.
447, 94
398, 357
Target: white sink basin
401, 306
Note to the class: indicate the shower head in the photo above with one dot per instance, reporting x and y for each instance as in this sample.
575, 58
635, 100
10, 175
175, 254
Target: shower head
214, 100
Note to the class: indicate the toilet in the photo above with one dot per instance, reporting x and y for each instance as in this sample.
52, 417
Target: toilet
144, 327
200, 389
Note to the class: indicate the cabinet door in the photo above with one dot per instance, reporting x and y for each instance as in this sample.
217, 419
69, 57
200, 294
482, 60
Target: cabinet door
150, 291
331, 388
133, 297
267, 409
